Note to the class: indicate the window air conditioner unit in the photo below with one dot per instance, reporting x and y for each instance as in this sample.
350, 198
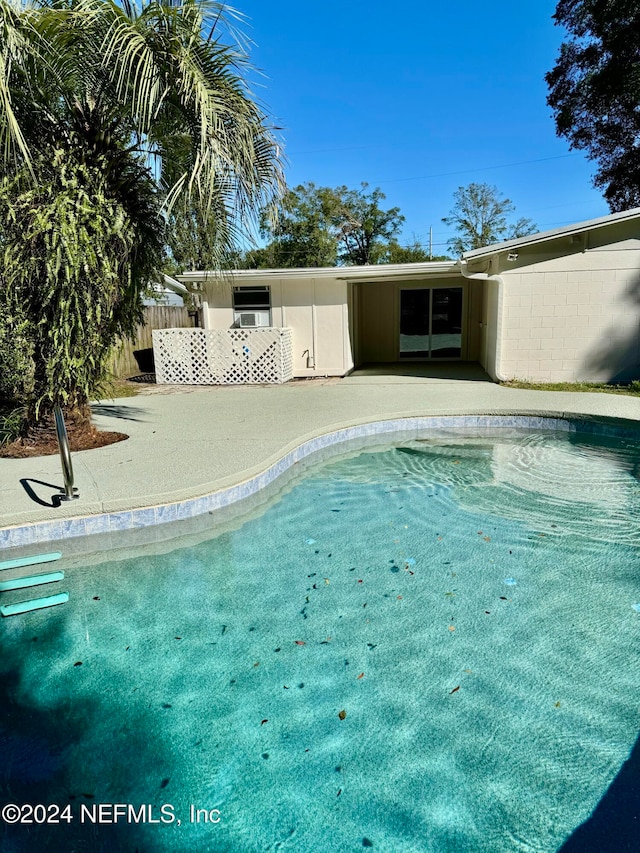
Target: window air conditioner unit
252, 319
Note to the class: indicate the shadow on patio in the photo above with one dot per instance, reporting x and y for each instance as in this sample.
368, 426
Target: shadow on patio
446, 371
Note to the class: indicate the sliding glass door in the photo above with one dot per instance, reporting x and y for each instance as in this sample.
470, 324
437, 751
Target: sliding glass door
431, 322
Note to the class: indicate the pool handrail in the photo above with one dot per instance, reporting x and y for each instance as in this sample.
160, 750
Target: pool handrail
70, 493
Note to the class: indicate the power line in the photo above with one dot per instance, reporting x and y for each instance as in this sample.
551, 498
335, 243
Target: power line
471, 171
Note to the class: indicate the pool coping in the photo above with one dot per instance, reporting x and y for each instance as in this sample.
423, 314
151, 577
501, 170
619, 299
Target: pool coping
147, 516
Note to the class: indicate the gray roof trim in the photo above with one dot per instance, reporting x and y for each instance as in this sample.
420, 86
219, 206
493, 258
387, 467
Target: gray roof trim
554, 234
370, 272
171, 284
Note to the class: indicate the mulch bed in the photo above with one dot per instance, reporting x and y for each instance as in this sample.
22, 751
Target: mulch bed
43, 441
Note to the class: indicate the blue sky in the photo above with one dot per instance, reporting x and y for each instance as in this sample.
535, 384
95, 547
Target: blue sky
419, 98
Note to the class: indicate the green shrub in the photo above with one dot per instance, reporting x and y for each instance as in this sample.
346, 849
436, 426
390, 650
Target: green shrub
12, 425
16, 368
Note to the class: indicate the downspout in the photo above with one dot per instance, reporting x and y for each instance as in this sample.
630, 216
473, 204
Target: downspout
486, 276
311, 356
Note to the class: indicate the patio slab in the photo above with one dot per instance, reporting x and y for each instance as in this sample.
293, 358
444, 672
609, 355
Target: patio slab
187, 442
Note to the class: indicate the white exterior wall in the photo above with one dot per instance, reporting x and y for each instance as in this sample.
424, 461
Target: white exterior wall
490, 338
573, 318
315, 309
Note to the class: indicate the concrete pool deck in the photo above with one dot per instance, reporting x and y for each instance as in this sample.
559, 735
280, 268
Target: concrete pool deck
186, 442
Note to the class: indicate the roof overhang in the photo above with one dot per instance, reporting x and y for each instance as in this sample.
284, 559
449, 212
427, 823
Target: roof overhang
171, 284
575, 229
371, 272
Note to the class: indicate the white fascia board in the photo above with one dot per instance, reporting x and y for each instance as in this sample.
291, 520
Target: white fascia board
171, 284
554, 234
371, 272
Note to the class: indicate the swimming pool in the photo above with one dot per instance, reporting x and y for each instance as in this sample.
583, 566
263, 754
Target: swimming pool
425, 647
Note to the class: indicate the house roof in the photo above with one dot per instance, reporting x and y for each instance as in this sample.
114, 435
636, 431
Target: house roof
370, 271
171, 284
554, 234
380, 272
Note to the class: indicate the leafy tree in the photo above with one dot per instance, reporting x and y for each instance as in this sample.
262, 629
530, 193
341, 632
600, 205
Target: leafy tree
319, 226
412, 254
479, 216
594, 91
110, 117
301, 229
363, 228
75, 310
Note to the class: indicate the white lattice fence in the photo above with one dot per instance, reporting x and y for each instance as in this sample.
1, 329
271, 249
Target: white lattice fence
222, 356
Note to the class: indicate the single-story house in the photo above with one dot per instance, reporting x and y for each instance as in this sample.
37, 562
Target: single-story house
169, 292
559, 305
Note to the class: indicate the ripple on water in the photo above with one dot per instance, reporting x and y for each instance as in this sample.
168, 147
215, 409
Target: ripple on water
429, 647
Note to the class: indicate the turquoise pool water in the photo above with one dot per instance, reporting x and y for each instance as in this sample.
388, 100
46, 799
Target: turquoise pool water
430, 647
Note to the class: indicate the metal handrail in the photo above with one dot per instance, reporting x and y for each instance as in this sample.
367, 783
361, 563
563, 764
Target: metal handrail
70, 493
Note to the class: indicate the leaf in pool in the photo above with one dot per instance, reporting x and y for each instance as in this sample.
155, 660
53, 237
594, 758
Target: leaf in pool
262, 722
164, 782
455, 690
257, 663
285, 686
167, 705
326, 580
360, 676
468, 671
480, 532
96, 598
339, 792
342, 714
450, 594
177, 638
456, 461
487, 538
503, 598
300, 643
78, 663
556, 705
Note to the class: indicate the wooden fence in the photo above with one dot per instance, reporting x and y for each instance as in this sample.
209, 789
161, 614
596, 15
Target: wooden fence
123, 363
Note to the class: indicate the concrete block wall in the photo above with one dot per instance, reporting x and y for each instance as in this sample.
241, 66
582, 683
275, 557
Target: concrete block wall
573, 318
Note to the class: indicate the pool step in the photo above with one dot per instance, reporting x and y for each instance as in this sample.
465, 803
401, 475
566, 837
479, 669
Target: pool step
32, 580
34, 604
30, 561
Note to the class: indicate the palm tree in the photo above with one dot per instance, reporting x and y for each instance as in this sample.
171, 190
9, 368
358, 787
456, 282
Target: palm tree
110, 118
